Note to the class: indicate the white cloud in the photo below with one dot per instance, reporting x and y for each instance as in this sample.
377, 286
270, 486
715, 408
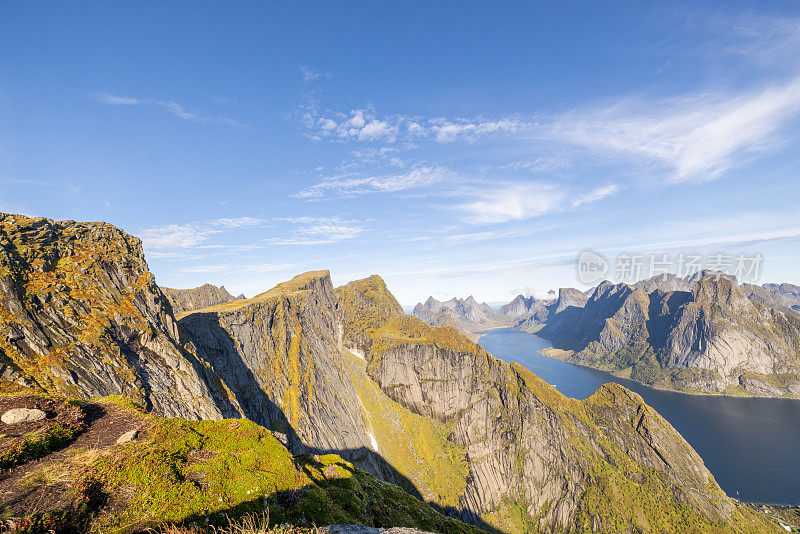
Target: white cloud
238, 222
114, 100
497, 203
309, 75
176, 236
446, 131
319, 231
170, 106
695, 137
353, 184
596, 194
365, 125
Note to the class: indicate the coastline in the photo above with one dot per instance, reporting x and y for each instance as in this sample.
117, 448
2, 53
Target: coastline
662, 388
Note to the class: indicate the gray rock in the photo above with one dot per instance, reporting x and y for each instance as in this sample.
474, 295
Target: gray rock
22, 415
98, 309
522, 437
127, 436
185, 300
713, 338
467, 314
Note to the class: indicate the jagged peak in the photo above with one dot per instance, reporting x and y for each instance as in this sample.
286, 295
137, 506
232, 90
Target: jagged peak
719, 289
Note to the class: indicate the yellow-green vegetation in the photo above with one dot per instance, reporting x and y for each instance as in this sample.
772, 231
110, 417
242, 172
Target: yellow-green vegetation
301, 282
47, 435
364, 306
372, 318
206, 472
189, 471
251, 524
64, 267
405, 329
417, 447
511, 516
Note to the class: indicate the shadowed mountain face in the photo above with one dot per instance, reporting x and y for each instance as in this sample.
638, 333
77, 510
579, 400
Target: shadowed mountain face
716, 337
186, 300
345, 370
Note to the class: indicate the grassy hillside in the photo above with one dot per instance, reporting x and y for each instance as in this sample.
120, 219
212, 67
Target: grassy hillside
196, 473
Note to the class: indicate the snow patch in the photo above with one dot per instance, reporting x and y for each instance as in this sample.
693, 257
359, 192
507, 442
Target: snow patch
357, 353
373, 442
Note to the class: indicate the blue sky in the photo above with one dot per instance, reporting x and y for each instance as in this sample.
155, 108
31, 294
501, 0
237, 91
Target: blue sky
454, 148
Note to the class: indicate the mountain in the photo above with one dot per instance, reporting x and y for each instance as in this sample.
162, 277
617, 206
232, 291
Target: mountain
185, 300
523, 441
528, 312
82, 316
785, 297
713, 338
468, 314
343, 380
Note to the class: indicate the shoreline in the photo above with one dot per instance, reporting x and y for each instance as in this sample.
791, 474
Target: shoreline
661, 388
658, 388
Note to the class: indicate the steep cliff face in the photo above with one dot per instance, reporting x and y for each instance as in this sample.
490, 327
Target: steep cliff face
279, 354
711, 339
537, 459
185, 300
81, 315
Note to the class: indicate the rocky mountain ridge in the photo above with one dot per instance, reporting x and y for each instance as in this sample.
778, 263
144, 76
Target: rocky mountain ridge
345, 371
186, 300
714, 338
468, 314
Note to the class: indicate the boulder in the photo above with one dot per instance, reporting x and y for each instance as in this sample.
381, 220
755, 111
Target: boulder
22, 415
127, 436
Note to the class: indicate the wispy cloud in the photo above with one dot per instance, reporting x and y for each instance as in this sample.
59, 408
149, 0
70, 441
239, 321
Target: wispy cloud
497, 203
693, 137
354, 184
492, 203
24, 181
177, 236
170, 106
596, 194
319, 231
310, 75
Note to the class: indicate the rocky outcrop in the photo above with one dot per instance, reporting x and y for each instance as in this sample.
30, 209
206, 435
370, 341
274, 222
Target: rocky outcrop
714, 338
186, 300
81, 315
527, 446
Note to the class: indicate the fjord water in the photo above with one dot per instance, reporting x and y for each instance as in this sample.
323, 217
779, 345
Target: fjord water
751, 446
